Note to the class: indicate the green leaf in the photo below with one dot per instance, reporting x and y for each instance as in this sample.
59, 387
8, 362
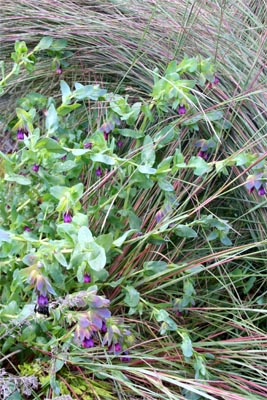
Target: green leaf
59, 44
44, 43
165, 185
51, 122
25, 117
15, 395
225, 240
96, 256
49, 144
154, 267
188, 65
118, 242
132, 296
21, 180
64, 166
92, 92
132, 116
200, 166
80, 152
65, 109
4, 236
65, 90
105, 241
84, 237
186, 346
61, 258
165, 136
211, 116
185, 231
148, 153
212, 235
178, 159
145, 169
130, 133
58, 191
103, 158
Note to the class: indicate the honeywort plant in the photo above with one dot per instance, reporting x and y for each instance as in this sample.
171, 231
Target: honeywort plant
70, 195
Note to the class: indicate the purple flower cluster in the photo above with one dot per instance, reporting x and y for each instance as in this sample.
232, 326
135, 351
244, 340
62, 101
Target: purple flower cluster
205, 148
256, 182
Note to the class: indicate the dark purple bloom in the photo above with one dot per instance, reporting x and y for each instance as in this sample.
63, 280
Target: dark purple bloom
98, 171
181, 109
125, 357
107, 127
26, 229
119, 143
203, 154
20, 134
42, 300
63, 158
216, 80
88, 145
67, 217
35, 167
87, 278
261, 191
42, 306
104, 327
117, 347
105, 135
88, 343
59, 70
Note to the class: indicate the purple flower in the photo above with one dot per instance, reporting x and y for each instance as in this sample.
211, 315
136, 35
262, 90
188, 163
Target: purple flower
87, 278
125, 357
256, 182
159, 216
42, 306
107, 127
104, 327
203, 154
216, 80
261, 191
88, 343
35, 167
64, 158
88, 145
67, 217
105, 135
117, 347
181, 109
59, 70
98, 171
42, 300
20, 134
26, 229
119, 143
